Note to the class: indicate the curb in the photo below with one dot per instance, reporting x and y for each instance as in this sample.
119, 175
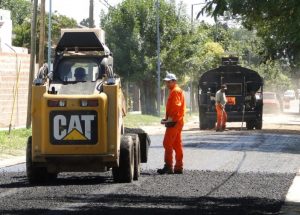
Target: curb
292, 200
12, 161
294, 191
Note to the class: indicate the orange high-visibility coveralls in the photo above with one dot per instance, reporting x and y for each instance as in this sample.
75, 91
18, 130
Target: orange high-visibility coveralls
175, 109
221, 117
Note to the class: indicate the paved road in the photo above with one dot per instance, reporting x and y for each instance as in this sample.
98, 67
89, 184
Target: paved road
235, 172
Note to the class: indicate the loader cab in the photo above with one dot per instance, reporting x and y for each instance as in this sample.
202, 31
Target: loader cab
79, 57
78, 69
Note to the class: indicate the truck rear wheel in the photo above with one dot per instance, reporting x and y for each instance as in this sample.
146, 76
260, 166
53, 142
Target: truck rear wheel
34, 173
211, 124
124, 173
258, 125
202, 120
250, 125
203, 124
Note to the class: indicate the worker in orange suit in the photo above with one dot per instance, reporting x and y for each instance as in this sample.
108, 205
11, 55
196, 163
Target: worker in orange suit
220, 108
173, 122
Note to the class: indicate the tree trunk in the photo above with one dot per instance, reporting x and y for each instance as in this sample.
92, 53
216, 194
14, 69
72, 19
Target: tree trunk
136, 98
194, 95
148, 97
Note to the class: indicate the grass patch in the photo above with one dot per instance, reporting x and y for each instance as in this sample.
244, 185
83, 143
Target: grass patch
136, 120
15, 142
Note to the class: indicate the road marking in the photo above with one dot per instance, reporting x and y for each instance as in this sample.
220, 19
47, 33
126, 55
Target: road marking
293, 194
292, 199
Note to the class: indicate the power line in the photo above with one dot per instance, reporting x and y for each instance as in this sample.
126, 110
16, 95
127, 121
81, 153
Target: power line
106, 4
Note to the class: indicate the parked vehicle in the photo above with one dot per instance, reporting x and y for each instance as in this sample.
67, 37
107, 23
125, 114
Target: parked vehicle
298, 93
289, 95
271, 102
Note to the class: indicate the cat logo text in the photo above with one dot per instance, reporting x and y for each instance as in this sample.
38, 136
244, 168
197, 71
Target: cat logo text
73, 127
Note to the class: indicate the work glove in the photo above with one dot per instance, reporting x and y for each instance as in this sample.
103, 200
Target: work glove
168, 122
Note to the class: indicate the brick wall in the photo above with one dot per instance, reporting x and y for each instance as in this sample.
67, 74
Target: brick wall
14, 76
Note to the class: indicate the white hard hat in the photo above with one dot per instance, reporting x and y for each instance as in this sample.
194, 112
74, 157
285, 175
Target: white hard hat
170, 77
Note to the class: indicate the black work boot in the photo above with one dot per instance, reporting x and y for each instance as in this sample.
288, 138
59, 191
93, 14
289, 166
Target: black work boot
165, 170
178, 171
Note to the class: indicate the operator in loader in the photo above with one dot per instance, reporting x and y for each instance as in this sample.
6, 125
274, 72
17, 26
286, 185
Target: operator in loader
80, 74
220, 108
173, 122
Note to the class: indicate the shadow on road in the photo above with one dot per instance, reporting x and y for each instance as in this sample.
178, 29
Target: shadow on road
21, 181
136, 204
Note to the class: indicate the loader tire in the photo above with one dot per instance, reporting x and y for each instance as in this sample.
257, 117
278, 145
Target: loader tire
124, 173
144, 142
137, 156
35, 174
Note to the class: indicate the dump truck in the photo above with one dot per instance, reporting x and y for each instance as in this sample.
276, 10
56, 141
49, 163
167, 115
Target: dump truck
78, 112
244, 94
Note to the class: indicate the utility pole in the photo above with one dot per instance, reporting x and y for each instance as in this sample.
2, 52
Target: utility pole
42, 34
49, 35
158, 58
91, 14
32, 61
191, 82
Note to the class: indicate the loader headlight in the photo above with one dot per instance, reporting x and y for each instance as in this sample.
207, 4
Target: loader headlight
57, 103
88, 103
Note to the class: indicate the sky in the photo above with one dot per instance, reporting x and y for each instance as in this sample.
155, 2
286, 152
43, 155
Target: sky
79, 9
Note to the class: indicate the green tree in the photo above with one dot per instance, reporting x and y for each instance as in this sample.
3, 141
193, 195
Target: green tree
21, 16
249, 48
277, 76
131, 35
20, 10
22, 31
59, 22
22, 35
276, 22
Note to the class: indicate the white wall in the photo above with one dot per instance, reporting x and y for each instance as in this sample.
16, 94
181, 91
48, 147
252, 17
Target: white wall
6, 34
5, 31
